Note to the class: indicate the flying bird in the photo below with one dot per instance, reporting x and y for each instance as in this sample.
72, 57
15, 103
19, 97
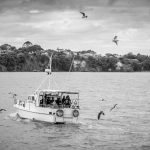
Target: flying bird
115, 40
99, 114
83, 15
2, 110
113, 107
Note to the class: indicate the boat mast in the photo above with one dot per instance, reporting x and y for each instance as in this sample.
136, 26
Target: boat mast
49, 72
50, 69
71, 63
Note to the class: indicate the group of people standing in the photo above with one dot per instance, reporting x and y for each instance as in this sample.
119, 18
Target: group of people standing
66, 101
56, 101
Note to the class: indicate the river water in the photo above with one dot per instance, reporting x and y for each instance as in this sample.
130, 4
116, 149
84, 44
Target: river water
127, 127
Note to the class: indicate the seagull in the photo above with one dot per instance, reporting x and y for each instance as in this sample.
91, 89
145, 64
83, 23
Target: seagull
84, 15
99, 114
113, 107
2, 110
115, 40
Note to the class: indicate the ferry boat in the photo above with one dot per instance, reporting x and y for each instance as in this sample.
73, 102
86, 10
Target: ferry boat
48, 105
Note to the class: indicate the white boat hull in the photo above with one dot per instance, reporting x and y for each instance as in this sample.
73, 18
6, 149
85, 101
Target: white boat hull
44, 115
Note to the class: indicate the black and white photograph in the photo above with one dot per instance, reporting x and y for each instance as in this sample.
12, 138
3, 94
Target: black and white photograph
74, 74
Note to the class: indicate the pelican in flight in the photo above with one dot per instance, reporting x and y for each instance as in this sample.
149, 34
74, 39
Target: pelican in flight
113, 107
99, 114
83, 15
115, 40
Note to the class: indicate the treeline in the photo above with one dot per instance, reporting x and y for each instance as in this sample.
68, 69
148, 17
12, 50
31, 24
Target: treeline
34, 58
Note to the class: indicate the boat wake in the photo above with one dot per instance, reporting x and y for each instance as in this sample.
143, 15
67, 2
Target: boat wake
16, 117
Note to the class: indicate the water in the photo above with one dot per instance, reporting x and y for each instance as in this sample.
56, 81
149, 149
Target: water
127, 127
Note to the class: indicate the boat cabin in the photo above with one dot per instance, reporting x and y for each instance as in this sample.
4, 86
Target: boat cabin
55, 99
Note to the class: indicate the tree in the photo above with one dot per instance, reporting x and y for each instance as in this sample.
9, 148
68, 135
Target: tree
27, 44
92, 62
44, 59
21, 58
130, 56
11, 62
104, 64
146, 64
136, 66
112, 61
141, 58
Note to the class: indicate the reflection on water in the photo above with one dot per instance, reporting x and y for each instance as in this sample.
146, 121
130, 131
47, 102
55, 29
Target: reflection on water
126, 127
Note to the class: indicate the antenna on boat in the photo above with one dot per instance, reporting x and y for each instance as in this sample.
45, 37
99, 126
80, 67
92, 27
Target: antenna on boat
71, 63
50, 63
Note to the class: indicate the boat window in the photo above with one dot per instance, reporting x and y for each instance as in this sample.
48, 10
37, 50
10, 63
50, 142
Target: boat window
54, 94
31, 98
56, 100
72, 96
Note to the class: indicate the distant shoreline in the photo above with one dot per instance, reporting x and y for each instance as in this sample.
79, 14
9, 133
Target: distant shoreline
33, 58
76, 72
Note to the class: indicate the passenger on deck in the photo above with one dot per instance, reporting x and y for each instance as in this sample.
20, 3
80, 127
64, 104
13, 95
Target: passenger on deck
45, 96
58, 101
67, 101
67, 97
48, 101
44, 103
63, 100
41, 102
51, 100
55, 104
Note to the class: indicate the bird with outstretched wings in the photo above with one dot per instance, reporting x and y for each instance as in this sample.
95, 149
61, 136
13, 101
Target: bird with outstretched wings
83, 15
99, 114
115, 40
115, 37
113, 107
2, 109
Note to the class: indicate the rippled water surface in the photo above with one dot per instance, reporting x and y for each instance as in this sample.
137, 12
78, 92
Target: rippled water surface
127, 127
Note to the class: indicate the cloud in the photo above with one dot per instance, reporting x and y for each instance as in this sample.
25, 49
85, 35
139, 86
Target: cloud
128, 34
59, 23
78, 5
35, 11
112, 2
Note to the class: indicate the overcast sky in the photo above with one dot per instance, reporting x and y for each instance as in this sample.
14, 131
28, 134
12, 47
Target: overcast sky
58, 23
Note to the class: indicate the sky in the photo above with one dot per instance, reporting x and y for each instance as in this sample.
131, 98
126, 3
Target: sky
59, 24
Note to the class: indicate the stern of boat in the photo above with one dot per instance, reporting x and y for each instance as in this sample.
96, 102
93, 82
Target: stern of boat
66, 115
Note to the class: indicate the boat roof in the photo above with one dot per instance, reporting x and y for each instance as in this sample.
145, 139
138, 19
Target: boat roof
60, 91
